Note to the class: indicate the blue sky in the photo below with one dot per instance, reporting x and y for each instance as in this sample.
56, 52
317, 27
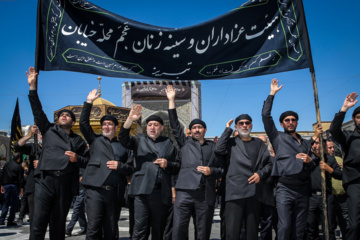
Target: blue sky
334, 36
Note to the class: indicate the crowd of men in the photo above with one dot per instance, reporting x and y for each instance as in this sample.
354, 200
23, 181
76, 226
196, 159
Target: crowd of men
262, 187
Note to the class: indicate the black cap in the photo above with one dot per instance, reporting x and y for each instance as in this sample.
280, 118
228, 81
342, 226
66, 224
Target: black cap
288, 113
197, 121
110, 118
242, 117
356, 111
155, 118
67, 111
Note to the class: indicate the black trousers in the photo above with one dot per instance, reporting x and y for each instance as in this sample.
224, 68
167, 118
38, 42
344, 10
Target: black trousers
353, 204
149, 212
292, 204
237, 212
53, 198
316, 216
341, 214
266, 222
24, 208
103, 210
31, 209
186, 203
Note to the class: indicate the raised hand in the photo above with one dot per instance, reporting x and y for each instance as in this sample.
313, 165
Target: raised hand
32, 78
228, 124
349, 101
274, 87
135, 112
170, 92
93, 95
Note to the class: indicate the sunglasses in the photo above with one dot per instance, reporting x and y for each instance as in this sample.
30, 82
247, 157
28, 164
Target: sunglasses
247, 123
290, 120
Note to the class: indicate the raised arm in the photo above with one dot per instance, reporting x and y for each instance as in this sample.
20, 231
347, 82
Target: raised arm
124, 134
174, 121
85, 127
39, 116
335, 127
268, 121
221, 145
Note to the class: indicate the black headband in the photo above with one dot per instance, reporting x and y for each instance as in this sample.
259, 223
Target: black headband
288, 113
155, 118
109, 118
197, 121
69, 112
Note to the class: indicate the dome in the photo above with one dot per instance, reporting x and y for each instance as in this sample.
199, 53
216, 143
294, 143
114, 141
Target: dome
101, 101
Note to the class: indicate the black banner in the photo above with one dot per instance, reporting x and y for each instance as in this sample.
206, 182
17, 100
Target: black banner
259, 37
16, 132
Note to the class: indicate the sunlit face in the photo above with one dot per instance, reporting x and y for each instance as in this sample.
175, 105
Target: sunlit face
357, 121
330, 148
316, 147
65, 120
154, 129
289, 124
198, 132
108, 129
244, 128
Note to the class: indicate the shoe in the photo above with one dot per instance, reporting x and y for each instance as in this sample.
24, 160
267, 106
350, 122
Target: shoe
20, 221
82, 232
68, 232
11, 224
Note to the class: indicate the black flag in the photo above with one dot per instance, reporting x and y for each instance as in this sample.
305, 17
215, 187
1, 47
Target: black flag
16, 133
257, 38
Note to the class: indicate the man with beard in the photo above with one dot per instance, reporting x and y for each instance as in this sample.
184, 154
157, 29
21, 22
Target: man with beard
350, 142
316, 208
155, 161
292, 168
195, 186
248, 166
104, 175
57, 173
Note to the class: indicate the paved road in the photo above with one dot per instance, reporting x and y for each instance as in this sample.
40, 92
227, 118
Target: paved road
22, 232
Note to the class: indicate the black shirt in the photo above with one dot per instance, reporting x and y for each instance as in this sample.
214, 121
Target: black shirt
252, 149
12, 173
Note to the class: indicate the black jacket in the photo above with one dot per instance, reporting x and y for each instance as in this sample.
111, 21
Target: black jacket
350, 142
12, 173
239, 169
101, 151
29, 149
146, 172
286, 147
316, 173
55, 143
191, 157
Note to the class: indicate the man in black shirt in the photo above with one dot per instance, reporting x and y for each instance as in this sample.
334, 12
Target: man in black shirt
248, 166
292, 168
315, 214
11, 184
350, 142
155, 161
195, 186
57, 174
105, 173
33, 150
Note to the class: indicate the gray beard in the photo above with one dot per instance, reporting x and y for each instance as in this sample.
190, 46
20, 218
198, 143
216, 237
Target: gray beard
244, 135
